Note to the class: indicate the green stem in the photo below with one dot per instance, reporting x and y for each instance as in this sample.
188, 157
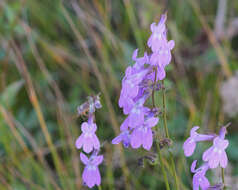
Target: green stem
157, 143
223, 177
99, 187
164, 111
162, 167
167, 136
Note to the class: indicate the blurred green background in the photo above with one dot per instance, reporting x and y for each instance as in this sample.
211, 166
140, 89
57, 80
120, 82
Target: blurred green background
53, 54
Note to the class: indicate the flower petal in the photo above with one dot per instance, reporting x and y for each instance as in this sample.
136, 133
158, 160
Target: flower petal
96, 143
79, 141
117, 139
84, 127
88, 145
223, 159
189, 147
193, 131
97, 177
151, 122
193, 166
97, 160
84, 158
214, 160
136, 138
207, 154
147, 139
134, 55
124, 125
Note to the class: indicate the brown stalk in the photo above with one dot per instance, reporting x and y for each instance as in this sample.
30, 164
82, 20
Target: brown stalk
19, 61
60, 104
26, 181
14, 131
38, 151
98, 44
4, 182
212, 39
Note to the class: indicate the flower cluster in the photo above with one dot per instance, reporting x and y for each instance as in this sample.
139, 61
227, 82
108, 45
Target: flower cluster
138, 84
213, 157
90, 143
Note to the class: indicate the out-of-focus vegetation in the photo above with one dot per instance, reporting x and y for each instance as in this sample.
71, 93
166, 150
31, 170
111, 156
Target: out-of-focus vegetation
53, 54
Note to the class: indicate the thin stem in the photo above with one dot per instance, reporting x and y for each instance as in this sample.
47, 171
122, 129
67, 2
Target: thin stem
157, 143
164, 111
223, 177
167, 136
99, 187
162, 167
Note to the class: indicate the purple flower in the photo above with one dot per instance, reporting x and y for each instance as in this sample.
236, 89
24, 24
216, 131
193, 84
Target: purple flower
199, 178
190, 144
124, 126
142, 135
139, 61
91, 175
158, 36
163, 56
126, 103
137, 113
161, 73
216, 154
125, 137
136, 116
88, 139
138, 84
130, 88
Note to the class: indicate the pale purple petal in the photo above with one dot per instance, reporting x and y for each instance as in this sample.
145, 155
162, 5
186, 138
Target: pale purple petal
193, 166
205, 183
193, 131
134, 55
117, 139
151, 122
84, 127
136, 118
195, 183
97, 160
171, 44
223, 159
152, 26
161, 73
136, 138
97, 177
201, 137
214, 159
93, 128
88, 177
124, 125
147, 139
79, 142
84, 158
88, 145
222, 132
96, 142
207, 154
189, 147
